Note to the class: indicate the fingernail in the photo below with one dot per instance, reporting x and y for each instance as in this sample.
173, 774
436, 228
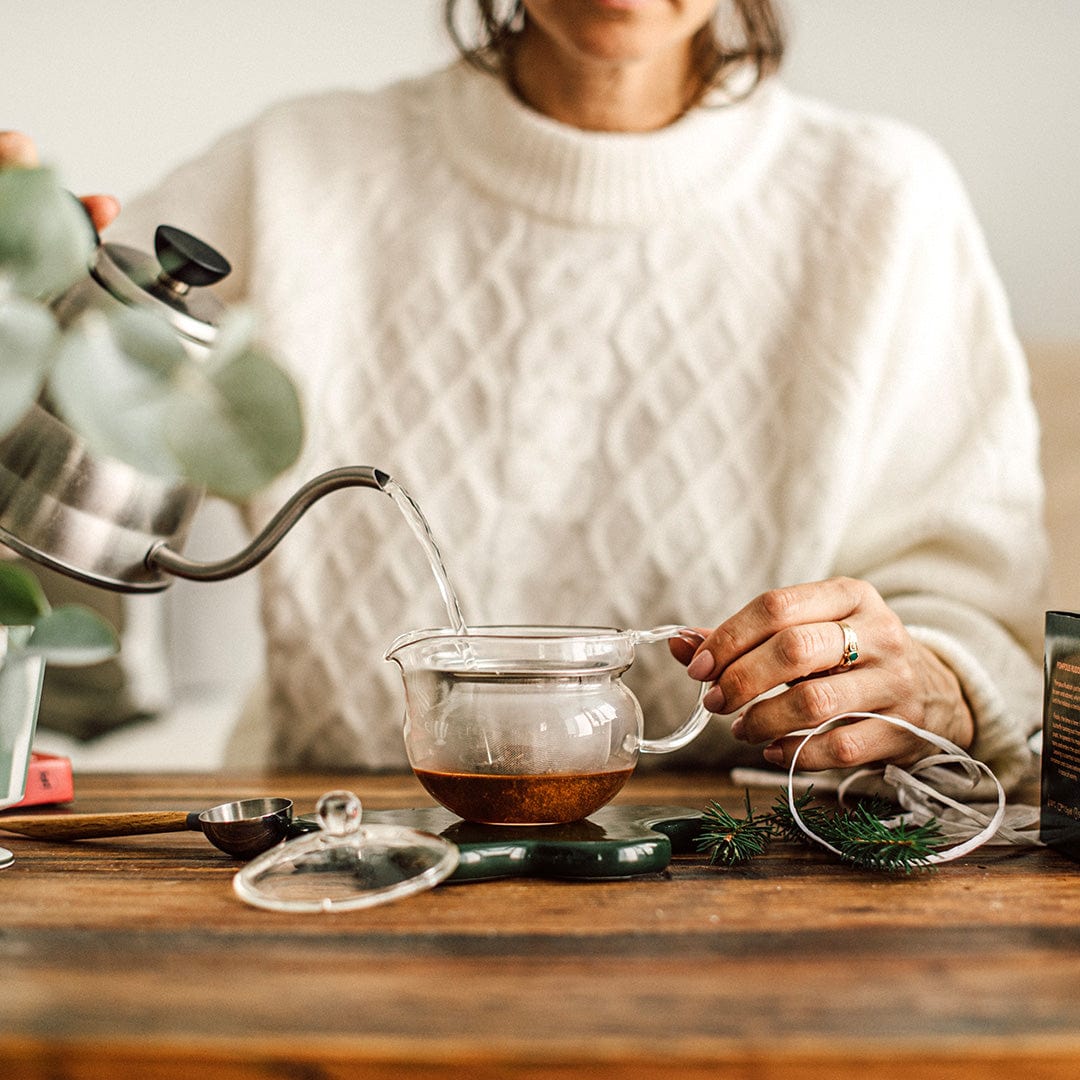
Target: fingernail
773, 754
714, 700
701, 667
737, 726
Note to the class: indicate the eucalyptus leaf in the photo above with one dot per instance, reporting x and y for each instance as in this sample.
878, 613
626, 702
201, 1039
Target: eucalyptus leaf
236, 333
22, 599
72, 636
239, 426
149, 343
28, 337
45, 236
112, 382
124, 382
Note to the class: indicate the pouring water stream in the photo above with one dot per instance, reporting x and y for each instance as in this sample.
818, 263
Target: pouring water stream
422, 531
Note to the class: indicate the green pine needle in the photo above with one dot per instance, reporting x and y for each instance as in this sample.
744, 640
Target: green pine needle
868, 842
859, 834
729, 840
815, 817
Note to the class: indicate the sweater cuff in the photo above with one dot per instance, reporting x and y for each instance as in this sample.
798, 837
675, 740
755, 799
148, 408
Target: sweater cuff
1000, 739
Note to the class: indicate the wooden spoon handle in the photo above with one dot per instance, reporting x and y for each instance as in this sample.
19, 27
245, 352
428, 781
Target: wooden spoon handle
89, 826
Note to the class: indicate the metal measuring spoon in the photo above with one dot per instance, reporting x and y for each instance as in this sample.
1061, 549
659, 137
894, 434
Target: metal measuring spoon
242, 829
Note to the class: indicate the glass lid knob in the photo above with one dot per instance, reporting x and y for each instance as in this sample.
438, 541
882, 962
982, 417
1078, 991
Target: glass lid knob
345, 865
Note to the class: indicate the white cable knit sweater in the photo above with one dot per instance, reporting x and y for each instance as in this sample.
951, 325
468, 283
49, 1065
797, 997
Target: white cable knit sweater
630, 379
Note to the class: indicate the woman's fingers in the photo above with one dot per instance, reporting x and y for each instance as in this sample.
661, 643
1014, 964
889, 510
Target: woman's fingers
813, 701
775, 611
18, 150
861, 742
103, 209
789, 635
796, 657
790, 655
683, 649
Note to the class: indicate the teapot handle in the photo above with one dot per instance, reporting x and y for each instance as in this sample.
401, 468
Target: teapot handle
699, 717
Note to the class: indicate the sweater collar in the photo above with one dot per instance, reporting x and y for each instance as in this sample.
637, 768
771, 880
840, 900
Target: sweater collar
601, 178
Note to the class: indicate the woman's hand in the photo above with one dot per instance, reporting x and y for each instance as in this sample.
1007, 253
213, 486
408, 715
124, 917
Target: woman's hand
18, 150
794, 639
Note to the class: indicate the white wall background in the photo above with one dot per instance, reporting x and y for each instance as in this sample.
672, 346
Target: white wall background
117, 91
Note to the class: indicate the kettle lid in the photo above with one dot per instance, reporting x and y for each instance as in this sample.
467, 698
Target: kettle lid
170, 283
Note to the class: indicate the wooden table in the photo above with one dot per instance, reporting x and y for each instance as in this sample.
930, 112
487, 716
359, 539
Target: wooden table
133, 958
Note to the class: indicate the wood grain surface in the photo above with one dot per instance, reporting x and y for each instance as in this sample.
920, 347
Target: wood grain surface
133, 957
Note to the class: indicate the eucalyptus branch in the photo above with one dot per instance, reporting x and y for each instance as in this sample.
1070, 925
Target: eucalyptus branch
69, 635
229, 420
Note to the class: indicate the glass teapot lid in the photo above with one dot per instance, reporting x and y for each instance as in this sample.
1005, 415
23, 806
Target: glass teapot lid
345, 865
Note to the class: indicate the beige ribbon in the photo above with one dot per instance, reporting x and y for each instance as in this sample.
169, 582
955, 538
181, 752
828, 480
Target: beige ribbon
972, 825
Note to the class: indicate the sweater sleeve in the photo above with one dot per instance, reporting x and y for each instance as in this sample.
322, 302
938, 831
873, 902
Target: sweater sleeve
946, 515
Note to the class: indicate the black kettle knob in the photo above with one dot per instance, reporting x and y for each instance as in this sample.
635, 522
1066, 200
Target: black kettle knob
186, 259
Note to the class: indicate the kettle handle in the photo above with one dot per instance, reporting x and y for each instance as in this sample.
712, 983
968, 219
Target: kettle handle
697, 720
163, 557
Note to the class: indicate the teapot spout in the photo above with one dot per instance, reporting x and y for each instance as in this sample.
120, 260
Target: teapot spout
400, 649
162, 557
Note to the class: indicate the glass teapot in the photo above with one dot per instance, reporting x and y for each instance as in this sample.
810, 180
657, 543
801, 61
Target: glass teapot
528, 725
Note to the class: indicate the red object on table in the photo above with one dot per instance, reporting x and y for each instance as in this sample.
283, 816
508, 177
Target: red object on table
49, 779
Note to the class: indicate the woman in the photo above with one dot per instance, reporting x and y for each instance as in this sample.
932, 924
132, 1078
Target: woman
651, 340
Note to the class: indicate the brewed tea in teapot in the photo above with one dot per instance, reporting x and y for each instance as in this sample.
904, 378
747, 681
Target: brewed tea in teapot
527, 725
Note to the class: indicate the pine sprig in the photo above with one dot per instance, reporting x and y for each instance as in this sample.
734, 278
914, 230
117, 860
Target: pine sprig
730, 840
865, 840
859, 834
815, 817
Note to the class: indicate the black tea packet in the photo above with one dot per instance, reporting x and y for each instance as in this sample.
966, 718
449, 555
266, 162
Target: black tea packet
1060, 800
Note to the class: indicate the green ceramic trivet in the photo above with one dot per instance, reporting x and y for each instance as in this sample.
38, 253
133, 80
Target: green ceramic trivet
615, 842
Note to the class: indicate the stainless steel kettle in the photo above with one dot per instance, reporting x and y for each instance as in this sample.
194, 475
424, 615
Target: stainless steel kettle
99, 519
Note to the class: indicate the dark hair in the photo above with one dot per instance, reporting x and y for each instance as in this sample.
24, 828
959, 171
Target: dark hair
752, 33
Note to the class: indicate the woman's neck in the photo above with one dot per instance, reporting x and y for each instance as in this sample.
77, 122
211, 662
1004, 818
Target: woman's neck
599, 95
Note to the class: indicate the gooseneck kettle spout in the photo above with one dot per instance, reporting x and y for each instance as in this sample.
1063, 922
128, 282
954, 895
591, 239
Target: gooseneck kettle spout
161, 555
94, 517
103, 522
